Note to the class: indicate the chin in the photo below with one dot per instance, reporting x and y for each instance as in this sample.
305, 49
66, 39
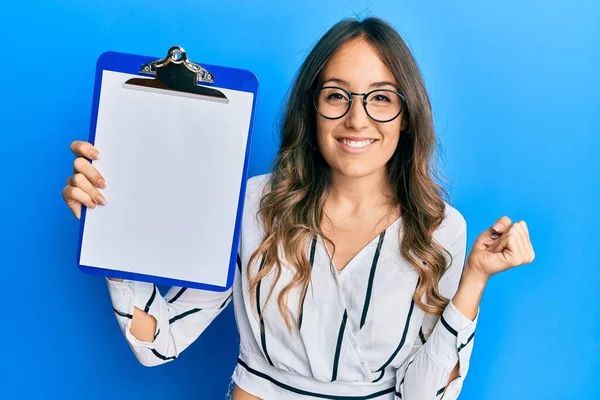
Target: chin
356, 171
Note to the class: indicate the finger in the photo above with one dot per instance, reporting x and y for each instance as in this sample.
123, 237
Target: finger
79, 180
73, 194
522, 251
528, 242
75, 197
501, 225
500, 253
525, 227
85, 149
490, 235
527, 246
81, 165
512, 247
501, 243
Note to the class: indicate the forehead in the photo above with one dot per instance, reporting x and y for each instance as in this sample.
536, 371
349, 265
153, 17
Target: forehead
358, 63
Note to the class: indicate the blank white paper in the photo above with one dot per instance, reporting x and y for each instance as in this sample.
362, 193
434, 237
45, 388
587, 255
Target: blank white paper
173, 167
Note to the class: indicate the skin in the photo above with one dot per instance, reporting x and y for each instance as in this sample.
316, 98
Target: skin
358, 206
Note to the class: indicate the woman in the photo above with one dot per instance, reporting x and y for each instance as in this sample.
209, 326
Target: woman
351, 280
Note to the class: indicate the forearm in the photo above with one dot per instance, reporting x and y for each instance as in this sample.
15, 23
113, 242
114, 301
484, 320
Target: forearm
159, 328
143, 325
466, 300
454, 374
442, 359
469, 292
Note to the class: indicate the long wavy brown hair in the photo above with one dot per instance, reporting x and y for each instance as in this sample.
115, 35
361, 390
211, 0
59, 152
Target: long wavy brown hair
291, 208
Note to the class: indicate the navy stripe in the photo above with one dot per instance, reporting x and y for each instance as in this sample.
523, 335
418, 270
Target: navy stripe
382, 372
313, 394
178, 295
371, 278
462, 346
440, 391
403, 339
421, 336
185, 314
147, 308
311, 260
399, 394
239, 263
157, 354
263, 336
225, 302
156, 335
338, 347
122, 314
447, 326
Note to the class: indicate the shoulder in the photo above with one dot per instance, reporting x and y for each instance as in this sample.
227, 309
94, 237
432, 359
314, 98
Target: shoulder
452, 227
255, 186
255, 189
252, 227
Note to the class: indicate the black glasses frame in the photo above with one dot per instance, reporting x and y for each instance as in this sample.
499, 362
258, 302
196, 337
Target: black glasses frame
314, 94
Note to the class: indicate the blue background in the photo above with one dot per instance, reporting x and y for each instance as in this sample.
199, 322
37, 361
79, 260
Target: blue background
515, 87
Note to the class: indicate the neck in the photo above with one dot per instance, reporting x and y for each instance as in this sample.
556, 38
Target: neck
359, 195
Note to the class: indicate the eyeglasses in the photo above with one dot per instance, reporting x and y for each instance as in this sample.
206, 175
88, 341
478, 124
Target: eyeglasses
381, 105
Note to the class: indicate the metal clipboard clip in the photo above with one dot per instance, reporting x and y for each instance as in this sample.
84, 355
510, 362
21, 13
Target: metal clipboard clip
177, 73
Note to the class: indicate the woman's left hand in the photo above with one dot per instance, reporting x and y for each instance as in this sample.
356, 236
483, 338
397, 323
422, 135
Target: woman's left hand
503, 246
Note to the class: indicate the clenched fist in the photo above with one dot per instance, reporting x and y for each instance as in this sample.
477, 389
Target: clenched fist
503, 246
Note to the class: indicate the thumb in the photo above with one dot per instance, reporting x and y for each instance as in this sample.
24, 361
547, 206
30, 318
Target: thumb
500, 252
492, 233
499, 244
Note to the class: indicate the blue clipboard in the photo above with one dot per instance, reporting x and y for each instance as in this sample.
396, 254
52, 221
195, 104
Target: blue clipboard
165, 83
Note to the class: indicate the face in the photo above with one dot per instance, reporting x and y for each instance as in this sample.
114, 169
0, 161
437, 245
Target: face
355, 145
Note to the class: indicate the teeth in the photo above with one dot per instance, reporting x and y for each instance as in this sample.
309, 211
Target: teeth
356, 144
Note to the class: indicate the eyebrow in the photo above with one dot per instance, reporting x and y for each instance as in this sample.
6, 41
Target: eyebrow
372, 85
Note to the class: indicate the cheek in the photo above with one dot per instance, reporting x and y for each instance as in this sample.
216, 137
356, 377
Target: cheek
325, 140
390, 135
390, 141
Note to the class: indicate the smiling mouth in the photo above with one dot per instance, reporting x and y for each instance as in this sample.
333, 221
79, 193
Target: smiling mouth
357, 144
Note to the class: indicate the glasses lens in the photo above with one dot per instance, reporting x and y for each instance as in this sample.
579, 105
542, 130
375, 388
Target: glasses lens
384, 105
332, 102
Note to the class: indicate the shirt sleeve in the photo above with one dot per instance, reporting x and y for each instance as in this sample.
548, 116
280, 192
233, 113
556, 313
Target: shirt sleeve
181, 316
442, 342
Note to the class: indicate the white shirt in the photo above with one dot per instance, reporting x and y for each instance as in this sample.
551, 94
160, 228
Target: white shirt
361, 336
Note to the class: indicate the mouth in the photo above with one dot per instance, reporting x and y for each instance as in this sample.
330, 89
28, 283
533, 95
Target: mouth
355, 144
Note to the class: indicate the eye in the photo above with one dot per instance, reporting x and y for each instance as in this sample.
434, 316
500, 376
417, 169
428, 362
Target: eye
381, 98
336, 96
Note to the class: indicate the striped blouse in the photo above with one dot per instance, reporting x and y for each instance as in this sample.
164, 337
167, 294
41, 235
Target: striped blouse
361, 335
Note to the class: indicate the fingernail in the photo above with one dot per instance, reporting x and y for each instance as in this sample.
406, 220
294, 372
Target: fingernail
92, 206
101, 200
94, 154
497, 226
101, 183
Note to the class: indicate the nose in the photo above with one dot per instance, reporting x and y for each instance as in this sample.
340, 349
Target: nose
357, 117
